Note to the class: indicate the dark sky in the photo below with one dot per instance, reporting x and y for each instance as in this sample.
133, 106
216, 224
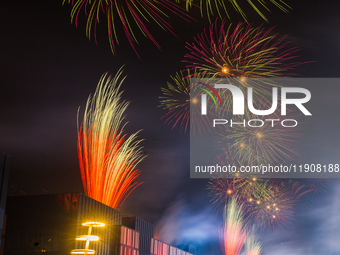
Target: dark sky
49, 68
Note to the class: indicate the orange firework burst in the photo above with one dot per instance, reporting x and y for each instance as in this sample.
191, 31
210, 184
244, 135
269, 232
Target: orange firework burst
107, 157
233, 233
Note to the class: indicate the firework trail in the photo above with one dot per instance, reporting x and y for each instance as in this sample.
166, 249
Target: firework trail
267, 203
273, 208
183, 109
319, 185
222, 190
233, 233
108, 157
253, 246
237, 53
264, 144
222, 7
129, 13
176, 99
240, 51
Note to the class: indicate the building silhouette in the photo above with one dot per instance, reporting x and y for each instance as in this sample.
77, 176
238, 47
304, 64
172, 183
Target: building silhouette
51, 223
5, 162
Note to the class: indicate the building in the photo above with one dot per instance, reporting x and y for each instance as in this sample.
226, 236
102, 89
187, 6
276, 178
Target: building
126, 241
146, 230
160, 248
52, 223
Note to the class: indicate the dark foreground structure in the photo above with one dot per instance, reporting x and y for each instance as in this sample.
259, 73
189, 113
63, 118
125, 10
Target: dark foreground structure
5, 162
51, 223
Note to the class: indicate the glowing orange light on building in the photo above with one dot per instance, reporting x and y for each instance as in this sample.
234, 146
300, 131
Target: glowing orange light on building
93, 224
194, 100
83, 251
88, 238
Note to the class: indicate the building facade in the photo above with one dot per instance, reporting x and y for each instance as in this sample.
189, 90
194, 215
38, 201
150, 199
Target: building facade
146, 230
51, 223
160, 248
126, 241
63, 223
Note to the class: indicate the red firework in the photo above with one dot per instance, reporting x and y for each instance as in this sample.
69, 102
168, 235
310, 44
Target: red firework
240, 51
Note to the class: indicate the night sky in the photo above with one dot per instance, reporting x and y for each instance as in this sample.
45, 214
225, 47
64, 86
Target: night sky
49, 68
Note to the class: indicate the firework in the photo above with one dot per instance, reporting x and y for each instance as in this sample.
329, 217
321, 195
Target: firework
247, 189
319, 185
178, 101
240, 51
267, 144
233, 233
243, 55
253, 246
107, 157
274, 208
268, 203
128, 13
221, 7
